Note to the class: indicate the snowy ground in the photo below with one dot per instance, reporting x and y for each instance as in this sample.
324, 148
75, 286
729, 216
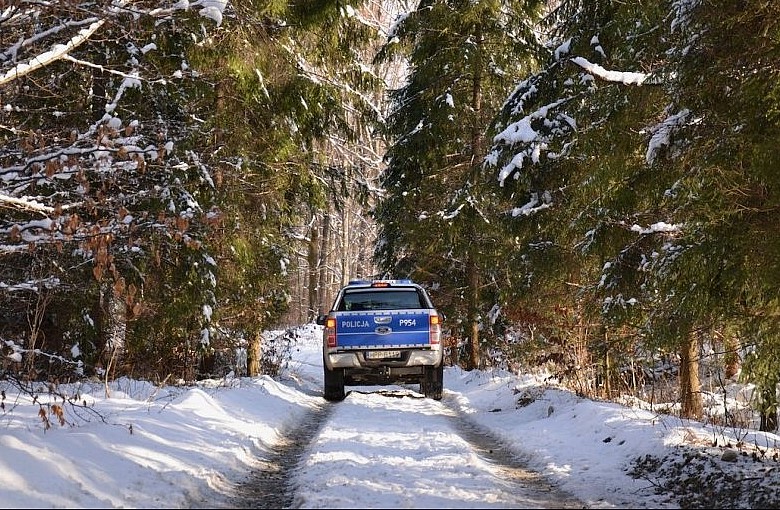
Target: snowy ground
171, 447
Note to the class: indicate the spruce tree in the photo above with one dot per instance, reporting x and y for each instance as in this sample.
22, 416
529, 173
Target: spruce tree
437, 218
721, 273
569, 152
286, 79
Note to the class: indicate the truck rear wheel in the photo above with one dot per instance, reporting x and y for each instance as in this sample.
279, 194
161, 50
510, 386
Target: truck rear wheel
334, 384
432, 385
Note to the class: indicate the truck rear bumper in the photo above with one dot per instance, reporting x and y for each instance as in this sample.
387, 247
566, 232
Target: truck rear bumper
357, 360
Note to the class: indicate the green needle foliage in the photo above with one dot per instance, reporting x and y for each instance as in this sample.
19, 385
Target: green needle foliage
438, 218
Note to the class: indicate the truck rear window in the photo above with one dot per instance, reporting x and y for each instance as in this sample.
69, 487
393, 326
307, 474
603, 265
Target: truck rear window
380, 300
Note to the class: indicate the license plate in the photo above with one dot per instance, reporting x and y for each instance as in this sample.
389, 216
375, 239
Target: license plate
382, 354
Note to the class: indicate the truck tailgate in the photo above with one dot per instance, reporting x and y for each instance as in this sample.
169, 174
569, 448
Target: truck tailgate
382, 329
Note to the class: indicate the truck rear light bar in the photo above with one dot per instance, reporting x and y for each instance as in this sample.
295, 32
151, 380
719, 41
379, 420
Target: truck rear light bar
380, 283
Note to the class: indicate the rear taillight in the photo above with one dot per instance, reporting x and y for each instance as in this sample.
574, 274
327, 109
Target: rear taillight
434, 330
330, 331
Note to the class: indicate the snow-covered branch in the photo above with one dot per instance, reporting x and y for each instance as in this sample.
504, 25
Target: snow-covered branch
28, 205
57, 52
627, 78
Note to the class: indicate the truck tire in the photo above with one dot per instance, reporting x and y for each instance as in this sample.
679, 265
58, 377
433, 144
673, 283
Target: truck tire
333, 390
432, 385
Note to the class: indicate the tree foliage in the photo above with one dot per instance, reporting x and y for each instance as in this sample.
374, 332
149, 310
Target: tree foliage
439, 218
639, 183
581, 185
153, 167
99, 185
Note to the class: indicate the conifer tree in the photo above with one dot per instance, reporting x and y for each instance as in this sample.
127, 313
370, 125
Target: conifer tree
721, 272
286, 79
190, 229
569, 151
437, 217
664, 189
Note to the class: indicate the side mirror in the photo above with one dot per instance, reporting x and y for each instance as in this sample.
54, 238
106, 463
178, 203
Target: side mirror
321, 319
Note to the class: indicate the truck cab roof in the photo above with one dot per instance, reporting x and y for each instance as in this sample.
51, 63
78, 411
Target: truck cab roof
360, 295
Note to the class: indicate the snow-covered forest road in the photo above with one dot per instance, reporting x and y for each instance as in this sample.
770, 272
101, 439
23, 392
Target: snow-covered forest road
495, 440
395, 449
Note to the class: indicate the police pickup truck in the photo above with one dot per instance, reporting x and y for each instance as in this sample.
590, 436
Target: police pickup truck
382, 332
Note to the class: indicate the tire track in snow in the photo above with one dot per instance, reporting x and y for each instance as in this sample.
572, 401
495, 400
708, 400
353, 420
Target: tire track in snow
269, 485
534, 491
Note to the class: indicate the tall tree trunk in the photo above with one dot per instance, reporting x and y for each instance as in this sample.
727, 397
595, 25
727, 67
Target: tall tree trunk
767, 396
767, 404
323, 263
116, 309
473, 304
472, 269
347, 246
690, 386
731, 358
100, 319
607, 368
476, 101
313, 259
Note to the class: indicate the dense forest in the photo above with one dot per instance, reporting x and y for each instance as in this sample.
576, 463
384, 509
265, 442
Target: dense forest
586, 187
